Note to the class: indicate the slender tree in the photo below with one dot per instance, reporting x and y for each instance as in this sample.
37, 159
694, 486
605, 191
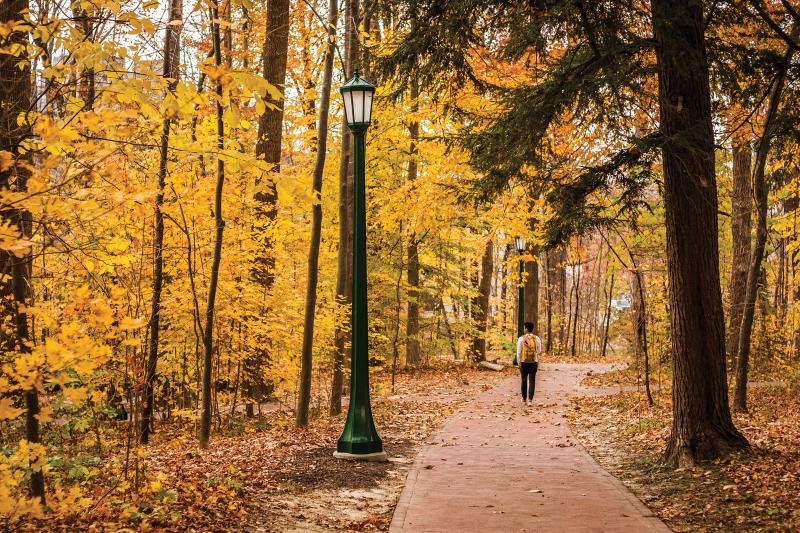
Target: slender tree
316, 220
607, 317
412, 323
344, 267
760, 193
219, 223
480, 307
640, 325
740, 231
170, 73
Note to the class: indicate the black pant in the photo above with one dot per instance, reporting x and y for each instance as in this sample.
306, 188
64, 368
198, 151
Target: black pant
528, 370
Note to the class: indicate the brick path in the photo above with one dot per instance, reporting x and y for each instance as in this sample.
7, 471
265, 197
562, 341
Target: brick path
497, 465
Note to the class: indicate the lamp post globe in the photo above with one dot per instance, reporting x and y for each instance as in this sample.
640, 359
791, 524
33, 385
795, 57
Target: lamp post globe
359, 439
357, 94
521, 245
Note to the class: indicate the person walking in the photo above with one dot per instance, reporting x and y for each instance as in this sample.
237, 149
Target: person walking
529, 346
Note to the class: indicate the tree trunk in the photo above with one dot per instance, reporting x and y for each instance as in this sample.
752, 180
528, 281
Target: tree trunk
480, 307
412, 323
640, 326
550, 285
270, 135
268, 147
208, 331
86, 83
171, 63
344, 268
316, 221
702, 427
532, 291
607, 318
742, 206
15, 272
760, 193
504, 277
577, 280
562, 298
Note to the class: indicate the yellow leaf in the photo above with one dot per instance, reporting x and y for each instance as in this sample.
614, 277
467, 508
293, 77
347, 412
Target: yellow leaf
7, 409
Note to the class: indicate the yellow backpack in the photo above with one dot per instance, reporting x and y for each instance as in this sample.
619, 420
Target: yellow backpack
529, 349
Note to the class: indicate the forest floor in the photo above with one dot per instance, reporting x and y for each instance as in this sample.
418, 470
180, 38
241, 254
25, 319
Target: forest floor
262, 474
756, 491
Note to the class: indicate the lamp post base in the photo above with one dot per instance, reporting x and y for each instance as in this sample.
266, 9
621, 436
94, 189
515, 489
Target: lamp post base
378, 457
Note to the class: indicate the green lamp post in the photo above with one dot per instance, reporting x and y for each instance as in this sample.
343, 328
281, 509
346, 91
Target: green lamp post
359, 439
520, 243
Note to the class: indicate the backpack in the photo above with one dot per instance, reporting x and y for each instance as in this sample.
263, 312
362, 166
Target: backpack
529, 349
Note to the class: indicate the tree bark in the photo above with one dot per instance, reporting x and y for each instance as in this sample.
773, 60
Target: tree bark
702, 427
316, 220
208, 330
480, 308
270, 135
532, 291
607, 318
760, 193
577, 284
640, 326
562, 298
412, 323
344, 268
742, 205
268, 147
15, 272
170, 72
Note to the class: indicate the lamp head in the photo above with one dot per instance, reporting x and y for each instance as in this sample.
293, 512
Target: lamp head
357, 95
520, 243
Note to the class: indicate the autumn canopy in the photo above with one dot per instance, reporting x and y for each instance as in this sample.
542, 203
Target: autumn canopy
178, 195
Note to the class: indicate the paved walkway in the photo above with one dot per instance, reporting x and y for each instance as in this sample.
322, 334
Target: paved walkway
497, 465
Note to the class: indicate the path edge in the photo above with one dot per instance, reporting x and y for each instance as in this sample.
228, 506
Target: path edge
657, 523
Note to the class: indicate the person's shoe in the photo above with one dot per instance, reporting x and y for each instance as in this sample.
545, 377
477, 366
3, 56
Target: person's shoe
529, 402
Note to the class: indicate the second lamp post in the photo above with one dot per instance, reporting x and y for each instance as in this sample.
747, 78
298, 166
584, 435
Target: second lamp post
359, 438
520, 243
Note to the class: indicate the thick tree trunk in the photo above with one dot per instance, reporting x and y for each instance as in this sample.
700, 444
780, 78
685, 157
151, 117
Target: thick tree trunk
171, 63
760, 193
480, 308
268, 147
344, 268
15, 272
316, 221
702, 427
270, 135
412, 323
208, 330
742, 206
